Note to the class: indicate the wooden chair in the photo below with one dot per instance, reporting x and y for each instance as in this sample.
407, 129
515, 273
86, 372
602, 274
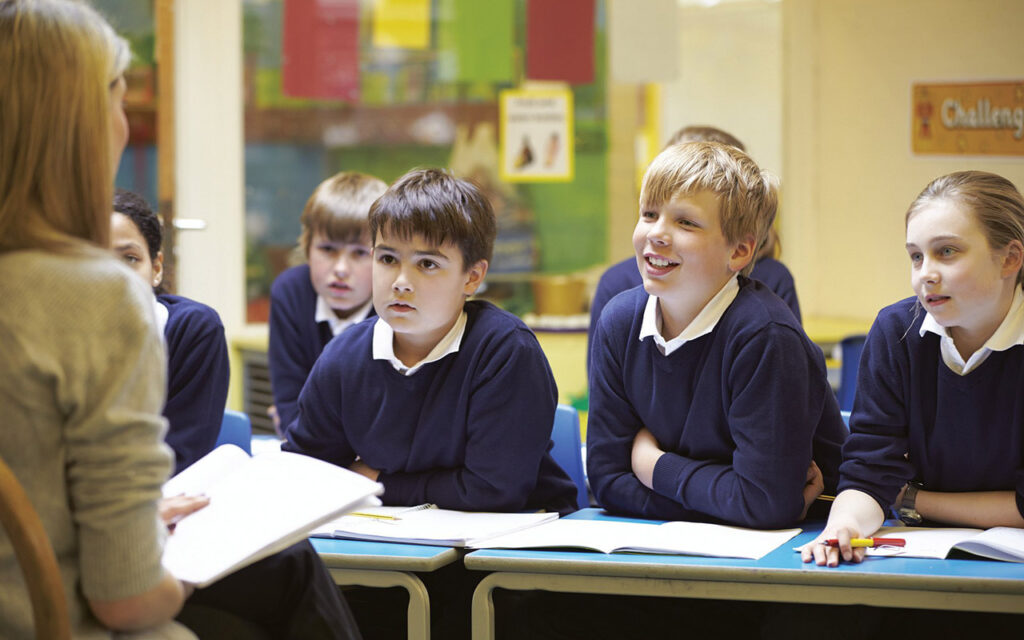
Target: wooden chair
35, 556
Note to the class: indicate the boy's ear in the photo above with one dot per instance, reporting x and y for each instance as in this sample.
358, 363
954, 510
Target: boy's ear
1013, 260
474, 277
742, 253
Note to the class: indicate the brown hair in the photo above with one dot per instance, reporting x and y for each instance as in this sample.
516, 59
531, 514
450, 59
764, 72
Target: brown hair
59, 59
440, 207
703, 133
993, 199
748, 197
338, 208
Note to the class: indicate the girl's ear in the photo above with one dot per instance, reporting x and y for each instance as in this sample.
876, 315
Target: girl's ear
474, 276
158, 269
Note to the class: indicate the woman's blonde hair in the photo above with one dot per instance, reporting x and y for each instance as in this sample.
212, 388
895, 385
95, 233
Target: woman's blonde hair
59, 59
994, 200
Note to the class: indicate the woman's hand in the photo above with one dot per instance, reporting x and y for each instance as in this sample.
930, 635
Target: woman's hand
173, 509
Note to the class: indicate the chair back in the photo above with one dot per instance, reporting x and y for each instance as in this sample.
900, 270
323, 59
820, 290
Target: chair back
850, 348
566, 450
235, 429
35, 557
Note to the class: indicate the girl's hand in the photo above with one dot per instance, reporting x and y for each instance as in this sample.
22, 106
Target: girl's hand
175, 508
823, 554
364, 469
812, 489
646, 452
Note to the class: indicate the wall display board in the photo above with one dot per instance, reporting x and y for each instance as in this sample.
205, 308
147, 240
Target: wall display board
969, 118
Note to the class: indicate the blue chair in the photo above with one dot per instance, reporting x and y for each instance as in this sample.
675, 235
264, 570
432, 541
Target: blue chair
566, 450
235, 429
849, 348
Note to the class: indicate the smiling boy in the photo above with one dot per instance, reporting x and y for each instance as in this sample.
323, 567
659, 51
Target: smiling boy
441, 400
707, 400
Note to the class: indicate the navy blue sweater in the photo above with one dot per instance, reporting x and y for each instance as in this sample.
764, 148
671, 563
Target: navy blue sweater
470, 431
625, 275
739, 411
960, 433
197, 378
296, 338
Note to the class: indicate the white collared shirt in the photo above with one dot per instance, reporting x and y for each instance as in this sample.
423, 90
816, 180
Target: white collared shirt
701, 325
324, 313
384, 345
162, 314
1009, 334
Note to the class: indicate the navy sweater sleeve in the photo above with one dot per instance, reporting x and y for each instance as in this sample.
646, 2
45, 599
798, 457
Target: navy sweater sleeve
294, 342
510, 413
197, 379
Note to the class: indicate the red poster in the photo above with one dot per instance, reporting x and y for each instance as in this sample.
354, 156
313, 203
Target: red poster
320, 49
560, 40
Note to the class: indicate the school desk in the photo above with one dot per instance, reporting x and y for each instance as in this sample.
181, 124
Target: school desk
386, 564
780, 576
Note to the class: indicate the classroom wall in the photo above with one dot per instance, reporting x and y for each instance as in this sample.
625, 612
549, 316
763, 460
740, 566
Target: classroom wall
849, 174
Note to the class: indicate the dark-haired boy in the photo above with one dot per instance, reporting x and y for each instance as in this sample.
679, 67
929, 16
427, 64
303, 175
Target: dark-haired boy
439, 399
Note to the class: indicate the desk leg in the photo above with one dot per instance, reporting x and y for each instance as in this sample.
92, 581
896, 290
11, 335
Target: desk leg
419, 601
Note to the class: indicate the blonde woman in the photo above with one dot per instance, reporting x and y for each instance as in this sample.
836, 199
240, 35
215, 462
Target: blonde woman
81, 362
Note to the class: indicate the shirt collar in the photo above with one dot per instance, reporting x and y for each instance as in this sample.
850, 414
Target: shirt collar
1010, 333
384, 345
703, 324
324, 313
162, 314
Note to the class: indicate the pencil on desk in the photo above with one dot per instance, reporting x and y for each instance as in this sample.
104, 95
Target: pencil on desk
825, 498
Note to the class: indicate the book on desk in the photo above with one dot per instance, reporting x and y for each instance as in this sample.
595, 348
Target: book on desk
258, 506
677, 538
998, 543
426, 524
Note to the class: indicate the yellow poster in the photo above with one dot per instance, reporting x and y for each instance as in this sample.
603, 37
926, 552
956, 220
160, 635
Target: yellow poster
401, 23
537, 143
977, 118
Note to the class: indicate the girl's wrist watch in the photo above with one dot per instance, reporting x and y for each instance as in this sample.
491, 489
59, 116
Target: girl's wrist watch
908, 511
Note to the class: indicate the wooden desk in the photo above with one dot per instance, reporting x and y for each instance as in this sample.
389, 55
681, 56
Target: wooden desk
966, 585
384, 564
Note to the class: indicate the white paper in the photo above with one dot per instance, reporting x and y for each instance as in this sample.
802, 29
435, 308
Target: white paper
442, 527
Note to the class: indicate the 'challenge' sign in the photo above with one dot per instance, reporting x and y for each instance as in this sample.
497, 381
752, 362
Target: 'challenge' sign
968, 118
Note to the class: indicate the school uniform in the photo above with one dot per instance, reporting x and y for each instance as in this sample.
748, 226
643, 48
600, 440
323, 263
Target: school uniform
625, 275
197, 376
740, 402
960, 424
468, 428
300, 328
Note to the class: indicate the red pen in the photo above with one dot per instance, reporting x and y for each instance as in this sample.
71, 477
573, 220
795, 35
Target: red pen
868, 542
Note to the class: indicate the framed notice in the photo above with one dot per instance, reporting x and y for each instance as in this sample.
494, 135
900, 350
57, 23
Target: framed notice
968, 118
536, 135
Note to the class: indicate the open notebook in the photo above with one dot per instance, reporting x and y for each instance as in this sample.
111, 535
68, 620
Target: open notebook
682, 538
426, 524
258, 506
998, 543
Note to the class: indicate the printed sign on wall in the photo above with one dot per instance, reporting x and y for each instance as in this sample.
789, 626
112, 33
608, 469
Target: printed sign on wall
968, 118
536, 135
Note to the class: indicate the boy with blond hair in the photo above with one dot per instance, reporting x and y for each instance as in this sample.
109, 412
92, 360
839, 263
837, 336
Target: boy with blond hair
313, 302
708, 401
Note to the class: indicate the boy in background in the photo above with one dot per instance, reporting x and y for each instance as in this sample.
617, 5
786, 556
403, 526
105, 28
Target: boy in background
708, 401
313, 302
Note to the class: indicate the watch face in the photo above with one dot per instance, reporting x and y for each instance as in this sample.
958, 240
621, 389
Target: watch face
910, 516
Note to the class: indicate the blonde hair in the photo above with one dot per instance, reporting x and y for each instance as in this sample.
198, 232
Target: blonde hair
704, 133
994, 200
339, 208
748, 197
58, 58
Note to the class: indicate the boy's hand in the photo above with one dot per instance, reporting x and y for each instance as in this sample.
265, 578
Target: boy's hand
173, 509
646, 452
364, 469
812, 489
